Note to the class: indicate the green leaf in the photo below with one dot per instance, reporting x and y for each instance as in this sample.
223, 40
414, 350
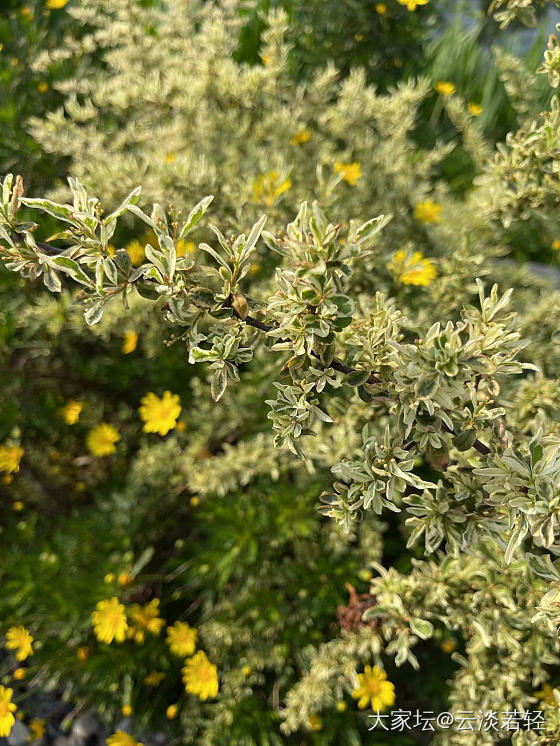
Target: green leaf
218, 384
71, 268
465, 440
194, 216
422, 628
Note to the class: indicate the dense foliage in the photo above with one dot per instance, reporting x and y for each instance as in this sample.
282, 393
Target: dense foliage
282, 449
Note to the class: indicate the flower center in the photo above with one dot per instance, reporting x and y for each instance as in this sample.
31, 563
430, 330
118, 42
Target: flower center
374, 687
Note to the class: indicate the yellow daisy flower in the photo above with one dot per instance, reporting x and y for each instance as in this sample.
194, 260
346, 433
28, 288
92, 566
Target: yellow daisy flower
267, 188
10, 457
120, 738
37, 728
101, 440
475, 109
126, 710
350, 172
136, 252
200, 676
428, 211
445, 87
374, 689
19, 639
83, 653
55, 4
7, 708
184, 247
71, 412
109, 621
154, 678
315, 722
160, 415
130, 340
448, 646
411, 269
19, 674
125, 578
181, 639
413, 4
300, 137
171, 712
144, 619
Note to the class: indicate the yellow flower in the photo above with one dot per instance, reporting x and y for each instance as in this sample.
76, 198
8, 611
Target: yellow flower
83, 653
109, 621
55, 4
18, 638
350, 172
160, 415
200, 676
126, 710
37, 728
381, 8
170, 157
315, 722
448, 646
194, 501
130, 340
181, 426
411, 269
546, 695
556, 244
428, 211
374, 689
246, 670
18, 506
171, 712
265, 59
7, 708
125, 578
181, 639
267, 188
101, 440
475, 109
110, 577
10, 456
341, 706
413, 4
71, 412
136, 252
42, 87
154, 678
300, 137
120, 738
19, 674
445, 87
185, 247
144, 619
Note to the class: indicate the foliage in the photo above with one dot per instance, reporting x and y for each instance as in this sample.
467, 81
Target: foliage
326, 378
